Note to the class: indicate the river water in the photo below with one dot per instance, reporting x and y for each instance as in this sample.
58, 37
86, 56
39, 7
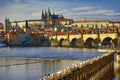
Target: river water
33, 63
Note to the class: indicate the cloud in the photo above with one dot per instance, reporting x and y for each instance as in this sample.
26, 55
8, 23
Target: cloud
31, 9
112, 14
83, 8
75, 10
88, 10
91, 12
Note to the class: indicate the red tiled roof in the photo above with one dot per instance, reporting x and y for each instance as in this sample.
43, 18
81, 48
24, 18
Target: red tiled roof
116, 22
61, 20
2, 27
61, 33
65, 33
41, 33
13, 32
48, 29
94, 21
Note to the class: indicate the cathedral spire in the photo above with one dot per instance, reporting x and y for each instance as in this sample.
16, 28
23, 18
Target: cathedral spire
48, 9
84, 18
53, 12
48, 14
7, 24
42, 16
45, 14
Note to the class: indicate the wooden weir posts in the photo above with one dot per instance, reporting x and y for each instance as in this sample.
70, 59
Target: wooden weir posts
92, 69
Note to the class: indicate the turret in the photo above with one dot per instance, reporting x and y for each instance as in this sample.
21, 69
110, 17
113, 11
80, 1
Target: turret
48, 14
45, 15
84, 18
42, 16
53, 12
49, 11
7, 24
5, 27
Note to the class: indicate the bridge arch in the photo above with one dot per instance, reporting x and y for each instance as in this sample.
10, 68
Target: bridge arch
115, 41
89, 42
60, 42
106, 41
51, 39
110, 35
72, 43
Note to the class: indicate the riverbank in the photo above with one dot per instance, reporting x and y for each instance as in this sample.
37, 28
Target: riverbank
33, 63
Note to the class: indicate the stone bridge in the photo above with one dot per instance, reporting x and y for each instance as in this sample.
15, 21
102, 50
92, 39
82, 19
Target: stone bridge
84, 39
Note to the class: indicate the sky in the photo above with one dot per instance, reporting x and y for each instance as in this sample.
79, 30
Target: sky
17, 10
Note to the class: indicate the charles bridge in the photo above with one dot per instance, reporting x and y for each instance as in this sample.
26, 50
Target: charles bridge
88, 40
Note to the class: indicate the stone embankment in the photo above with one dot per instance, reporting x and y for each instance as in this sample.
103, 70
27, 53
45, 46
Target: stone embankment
90, 69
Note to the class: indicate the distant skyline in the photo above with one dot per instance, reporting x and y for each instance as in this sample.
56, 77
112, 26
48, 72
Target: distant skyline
18, 10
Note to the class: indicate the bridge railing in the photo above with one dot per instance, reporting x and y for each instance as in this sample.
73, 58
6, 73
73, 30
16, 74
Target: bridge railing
84, 70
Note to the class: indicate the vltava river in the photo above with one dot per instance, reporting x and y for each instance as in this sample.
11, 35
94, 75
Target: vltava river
33, 63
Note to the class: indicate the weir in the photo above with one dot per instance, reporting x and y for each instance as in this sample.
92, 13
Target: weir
92, 69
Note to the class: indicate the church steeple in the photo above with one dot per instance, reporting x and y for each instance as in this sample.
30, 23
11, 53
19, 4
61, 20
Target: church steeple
84, 18
48, 14
45, 15
42, 16
49, 10
53, 12
7, 24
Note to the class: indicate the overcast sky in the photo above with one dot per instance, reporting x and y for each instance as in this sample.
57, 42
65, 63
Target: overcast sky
31, 9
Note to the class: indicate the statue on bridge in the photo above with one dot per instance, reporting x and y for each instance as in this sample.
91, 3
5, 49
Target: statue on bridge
118, 42
112, 45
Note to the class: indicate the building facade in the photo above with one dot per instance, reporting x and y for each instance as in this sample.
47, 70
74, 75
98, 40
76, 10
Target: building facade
101, 24
30, 23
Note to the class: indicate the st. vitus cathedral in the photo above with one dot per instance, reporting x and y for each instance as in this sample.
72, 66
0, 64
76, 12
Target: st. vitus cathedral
47, 15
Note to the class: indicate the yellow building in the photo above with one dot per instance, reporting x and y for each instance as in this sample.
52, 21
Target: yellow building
33, 24
116, 24
101, 24
84, 23
20, 24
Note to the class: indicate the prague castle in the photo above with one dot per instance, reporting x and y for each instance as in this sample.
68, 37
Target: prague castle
52, 20
47, 15
48, 19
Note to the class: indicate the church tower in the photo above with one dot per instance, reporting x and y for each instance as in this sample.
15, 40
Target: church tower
53, 12
84, 18
7, 24
48, 14
42, 16
45, 15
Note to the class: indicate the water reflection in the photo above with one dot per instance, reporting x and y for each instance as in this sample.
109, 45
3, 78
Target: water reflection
50, 53
17, 69
39, 62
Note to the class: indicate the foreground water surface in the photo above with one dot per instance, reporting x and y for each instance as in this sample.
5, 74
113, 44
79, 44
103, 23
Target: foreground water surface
33, 63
